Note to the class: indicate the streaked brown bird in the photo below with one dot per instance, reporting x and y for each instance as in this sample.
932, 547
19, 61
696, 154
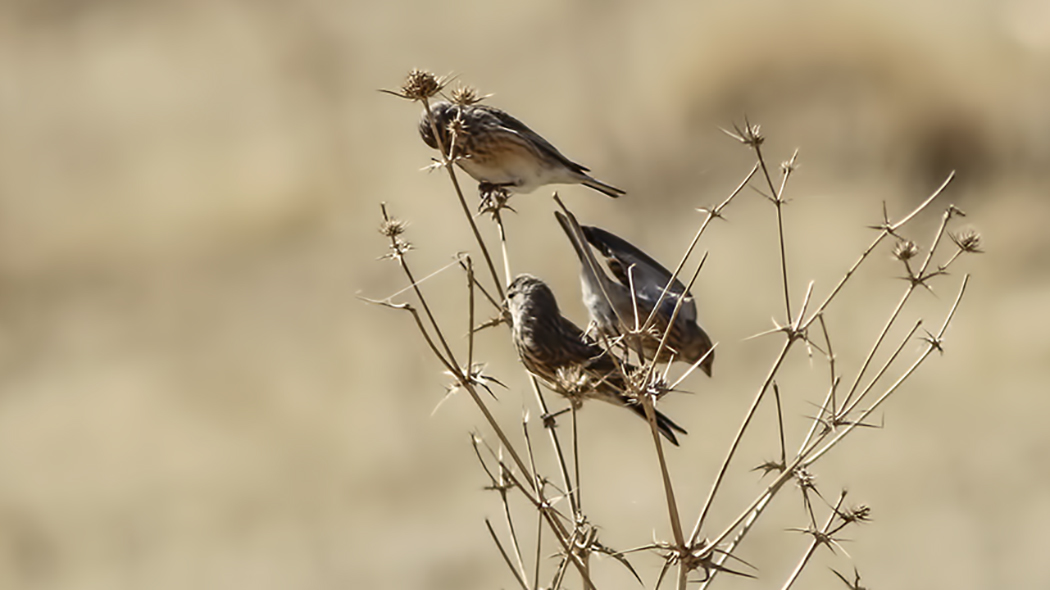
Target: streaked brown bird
612, 307
500, 151
554, 349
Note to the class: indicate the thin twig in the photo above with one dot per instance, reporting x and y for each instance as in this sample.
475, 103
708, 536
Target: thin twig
810, 455
712, 214
556, 444
560, 533
912, 284
650, 367
692, 367
452, 366
419, 293
672, 506
506, 558
885, 366
887, 229
745, 520
736, 440
447, 164
513, 533
778, 200
900, 380
539, 487
780, 424
818, 540
576, 459
503, 244
480, 287
470, 318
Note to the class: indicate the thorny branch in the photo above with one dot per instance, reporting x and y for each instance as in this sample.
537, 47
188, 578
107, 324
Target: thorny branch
835, 418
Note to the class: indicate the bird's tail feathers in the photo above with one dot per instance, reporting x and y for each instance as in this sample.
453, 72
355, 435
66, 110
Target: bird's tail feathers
606, 189
666, 426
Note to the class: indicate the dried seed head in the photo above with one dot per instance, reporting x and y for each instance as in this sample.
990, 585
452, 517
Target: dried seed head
421, 84
476, 376
968, 241
457, 127
805, 479
455, 136
861, 513
467, 95
750, 135
656, 386
574, 383
494, 199
398, 249
905, 250
393, 227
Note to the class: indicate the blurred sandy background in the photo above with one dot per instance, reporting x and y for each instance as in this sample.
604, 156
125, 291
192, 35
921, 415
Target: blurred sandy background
192, 397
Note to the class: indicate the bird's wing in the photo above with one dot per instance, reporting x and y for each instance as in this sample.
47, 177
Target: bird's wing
578, 346
648, 276
513, 125
608, 301
580, 349
590, 268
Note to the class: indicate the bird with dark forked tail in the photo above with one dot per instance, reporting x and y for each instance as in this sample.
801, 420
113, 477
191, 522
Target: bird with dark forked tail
554, 349
500, 151
612, 306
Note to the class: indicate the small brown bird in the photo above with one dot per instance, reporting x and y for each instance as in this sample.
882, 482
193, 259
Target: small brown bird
500, 151
612, 307
552, 348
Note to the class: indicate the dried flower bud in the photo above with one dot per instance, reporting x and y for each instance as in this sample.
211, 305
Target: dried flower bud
421, 84
494, 199
393, 227
967, 241
750, 135
574, 383
805, 479
905, 250
655, 386
457, 126
467, 95
861, 513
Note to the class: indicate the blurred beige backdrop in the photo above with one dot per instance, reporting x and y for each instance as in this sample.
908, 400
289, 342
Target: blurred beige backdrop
191, 396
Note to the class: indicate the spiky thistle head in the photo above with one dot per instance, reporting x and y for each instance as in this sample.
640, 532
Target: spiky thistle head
420, 85
968, 241
905, 250
574, 383
393, 227
859, 514
465, 96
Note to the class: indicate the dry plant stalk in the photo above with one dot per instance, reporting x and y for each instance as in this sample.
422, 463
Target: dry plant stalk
511, 468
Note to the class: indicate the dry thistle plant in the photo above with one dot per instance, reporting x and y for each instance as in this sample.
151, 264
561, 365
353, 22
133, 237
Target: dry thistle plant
700, 553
